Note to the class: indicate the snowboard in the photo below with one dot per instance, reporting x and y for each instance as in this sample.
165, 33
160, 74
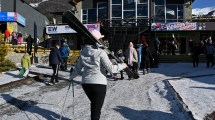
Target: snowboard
75, 24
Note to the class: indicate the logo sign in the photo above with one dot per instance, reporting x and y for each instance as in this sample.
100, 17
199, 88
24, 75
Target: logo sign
7, 16
12, 17
63, 29
20, 19
59, 29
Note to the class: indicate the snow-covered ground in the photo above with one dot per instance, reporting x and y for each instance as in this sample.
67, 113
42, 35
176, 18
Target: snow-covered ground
150, 97
202, 11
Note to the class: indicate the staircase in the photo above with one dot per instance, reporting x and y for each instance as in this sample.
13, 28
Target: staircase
180, 58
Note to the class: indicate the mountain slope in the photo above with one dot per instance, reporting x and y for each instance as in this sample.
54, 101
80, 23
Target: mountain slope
204, 11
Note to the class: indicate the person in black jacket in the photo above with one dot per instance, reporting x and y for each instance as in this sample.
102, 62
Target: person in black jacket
55, 60
195, 52
146, 56
29, 41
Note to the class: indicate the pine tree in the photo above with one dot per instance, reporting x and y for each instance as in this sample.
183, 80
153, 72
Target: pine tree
3, 51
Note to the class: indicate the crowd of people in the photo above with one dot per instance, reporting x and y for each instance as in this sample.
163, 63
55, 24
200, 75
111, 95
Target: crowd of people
204, 46
11, 38
139, 56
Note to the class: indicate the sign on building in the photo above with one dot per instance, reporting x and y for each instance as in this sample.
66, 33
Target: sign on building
63, 29
174, 26
182, 26
12, 17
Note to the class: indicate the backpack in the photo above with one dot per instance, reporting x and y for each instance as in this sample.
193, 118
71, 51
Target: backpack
64, 51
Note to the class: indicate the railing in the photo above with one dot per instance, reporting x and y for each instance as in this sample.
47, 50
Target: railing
132, 22
126, 22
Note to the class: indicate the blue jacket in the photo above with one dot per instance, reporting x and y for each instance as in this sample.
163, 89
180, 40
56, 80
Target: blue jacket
64, 50
55, 56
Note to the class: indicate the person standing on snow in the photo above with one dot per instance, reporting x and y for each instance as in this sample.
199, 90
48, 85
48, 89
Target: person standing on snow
157, 52
195, 55
55, 60
94, 61
64, 50
139, 53
131, 58
26, 63
147, 56
209, 51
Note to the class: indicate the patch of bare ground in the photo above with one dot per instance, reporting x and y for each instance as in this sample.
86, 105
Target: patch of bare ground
210, 116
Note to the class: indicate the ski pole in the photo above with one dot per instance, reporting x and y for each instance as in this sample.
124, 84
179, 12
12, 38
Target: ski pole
65, 100
73, 95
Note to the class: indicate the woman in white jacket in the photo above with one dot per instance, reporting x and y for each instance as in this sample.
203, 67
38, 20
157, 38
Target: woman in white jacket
92, 65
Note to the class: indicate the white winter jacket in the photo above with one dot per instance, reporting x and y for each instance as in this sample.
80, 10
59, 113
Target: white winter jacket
91, 66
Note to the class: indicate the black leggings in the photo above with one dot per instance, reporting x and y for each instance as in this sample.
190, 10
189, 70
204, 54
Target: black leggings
54, 77
96, 93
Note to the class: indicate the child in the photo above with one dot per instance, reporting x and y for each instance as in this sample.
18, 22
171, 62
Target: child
26, 63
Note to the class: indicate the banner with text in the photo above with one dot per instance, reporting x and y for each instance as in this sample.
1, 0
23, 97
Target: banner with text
174, 26
64, 29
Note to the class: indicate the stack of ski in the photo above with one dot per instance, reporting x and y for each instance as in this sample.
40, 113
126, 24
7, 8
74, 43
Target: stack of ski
75, 24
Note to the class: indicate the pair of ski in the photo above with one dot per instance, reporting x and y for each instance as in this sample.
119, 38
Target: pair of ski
75, 24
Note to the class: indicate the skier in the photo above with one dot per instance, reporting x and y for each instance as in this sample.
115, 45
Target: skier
94, 61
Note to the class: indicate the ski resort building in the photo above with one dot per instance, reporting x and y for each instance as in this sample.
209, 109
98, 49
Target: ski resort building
123, 21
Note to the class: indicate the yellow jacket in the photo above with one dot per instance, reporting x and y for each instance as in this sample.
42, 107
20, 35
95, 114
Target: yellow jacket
25, 61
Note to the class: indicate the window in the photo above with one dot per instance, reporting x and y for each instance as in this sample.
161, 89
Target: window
84, 11
125, 9
165, 12
129, 14
102, 10
116, 11
92, 15
171, 12
180, 11
84, 15
142, 10
128, 4
89, 15
160, 13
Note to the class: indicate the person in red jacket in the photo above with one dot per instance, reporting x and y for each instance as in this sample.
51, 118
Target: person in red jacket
7, 36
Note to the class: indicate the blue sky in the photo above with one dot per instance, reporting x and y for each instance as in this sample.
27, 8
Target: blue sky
203, 3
